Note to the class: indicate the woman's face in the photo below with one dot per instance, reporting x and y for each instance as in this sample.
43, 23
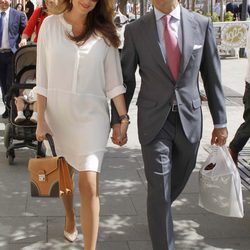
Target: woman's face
49, 3
84, 6
19, 7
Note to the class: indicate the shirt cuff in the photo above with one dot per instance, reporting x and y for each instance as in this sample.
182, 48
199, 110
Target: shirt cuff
220, 125
40, 90
116, 91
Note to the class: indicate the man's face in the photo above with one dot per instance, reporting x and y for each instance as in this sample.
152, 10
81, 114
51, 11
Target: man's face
4, 4
159, 4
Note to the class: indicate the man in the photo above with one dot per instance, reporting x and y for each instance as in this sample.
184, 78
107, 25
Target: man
29, 9
242, 135
240, 11
12, 23
232, 7
170, 45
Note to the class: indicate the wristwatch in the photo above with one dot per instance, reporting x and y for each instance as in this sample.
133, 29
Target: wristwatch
124, 118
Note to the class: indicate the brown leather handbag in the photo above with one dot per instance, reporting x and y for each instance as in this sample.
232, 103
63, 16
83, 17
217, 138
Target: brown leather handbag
50, 176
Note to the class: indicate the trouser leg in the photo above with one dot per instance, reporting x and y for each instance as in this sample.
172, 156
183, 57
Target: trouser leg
168, 160
242, 135
6, 72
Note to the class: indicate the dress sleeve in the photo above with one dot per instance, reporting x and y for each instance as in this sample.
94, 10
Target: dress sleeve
41, 67
113, 73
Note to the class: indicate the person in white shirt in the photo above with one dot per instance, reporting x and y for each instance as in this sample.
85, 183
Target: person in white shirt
78, 68
12, 24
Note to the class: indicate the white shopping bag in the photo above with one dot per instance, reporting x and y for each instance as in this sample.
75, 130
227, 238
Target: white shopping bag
220, 185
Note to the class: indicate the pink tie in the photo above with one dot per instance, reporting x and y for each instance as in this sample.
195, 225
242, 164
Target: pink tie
172, 48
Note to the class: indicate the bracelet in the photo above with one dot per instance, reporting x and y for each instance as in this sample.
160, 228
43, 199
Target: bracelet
124, 117
125, 121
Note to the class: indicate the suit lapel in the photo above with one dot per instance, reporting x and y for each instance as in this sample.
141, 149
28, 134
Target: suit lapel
152, 36
188, 34
11, 18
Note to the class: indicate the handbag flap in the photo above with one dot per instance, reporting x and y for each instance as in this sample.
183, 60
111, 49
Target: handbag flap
46, 165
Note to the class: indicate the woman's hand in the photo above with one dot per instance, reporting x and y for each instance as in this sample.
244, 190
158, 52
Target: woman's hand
23, 42
41, 130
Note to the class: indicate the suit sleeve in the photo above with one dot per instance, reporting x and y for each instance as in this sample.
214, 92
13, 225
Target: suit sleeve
129, 61
23, 21
211, 75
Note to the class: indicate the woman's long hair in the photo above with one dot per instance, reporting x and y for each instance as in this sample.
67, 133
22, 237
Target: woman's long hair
99, 20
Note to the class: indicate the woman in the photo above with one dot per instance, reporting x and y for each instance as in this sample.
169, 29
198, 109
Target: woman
78, 67
19, 7
35, 22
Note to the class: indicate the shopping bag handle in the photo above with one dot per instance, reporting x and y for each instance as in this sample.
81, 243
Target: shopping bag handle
51, 144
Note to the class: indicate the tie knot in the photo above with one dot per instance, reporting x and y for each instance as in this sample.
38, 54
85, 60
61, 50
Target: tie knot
3, 14
166, 19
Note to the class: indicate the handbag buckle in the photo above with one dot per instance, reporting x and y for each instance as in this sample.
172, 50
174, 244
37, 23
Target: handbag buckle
42, 177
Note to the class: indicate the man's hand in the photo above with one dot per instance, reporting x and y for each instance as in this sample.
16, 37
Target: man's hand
119, 135
219, 136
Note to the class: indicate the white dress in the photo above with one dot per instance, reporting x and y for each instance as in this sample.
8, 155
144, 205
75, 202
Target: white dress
77, 82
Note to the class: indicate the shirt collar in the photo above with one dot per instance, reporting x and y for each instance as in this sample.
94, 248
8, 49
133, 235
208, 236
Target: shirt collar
6, 11
176, 13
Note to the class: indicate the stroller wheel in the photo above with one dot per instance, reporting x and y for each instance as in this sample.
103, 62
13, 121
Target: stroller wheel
11, 157
8, 135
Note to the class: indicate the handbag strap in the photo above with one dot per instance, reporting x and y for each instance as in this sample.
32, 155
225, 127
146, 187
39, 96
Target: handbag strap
51, 144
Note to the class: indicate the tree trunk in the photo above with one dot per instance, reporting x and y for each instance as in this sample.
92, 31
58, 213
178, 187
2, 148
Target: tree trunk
193, 5
122, 6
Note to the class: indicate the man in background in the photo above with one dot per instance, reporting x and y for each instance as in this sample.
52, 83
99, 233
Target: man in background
12, 24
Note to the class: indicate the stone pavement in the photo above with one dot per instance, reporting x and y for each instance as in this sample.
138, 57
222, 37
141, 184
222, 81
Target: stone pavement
33, 224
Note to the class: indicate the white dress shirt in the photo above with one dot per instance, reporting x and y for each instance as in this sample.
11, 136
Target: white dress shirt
175, 25
5, 37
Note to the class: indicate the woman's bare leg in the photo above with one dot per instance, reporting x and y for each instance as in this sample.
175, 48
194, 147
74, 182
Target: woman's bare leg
69, 210
90, 207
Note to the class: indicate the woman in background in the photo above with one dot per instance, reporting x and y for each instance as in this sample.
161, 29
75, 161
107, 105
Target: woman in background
35, 22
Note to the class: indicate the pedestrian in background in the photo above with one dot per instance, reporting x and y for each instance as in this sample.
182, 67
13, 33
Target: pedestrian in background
29, 8
233, 8
179, 45
78, 67
12, 23
242, 135
35, 22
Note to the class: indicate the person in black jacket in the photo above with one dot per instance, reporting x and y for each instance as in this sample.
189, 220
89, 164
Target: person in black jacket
232, 7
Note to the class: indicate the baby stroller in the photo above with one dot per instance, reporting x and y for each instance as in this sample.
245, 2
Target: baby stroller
24, 72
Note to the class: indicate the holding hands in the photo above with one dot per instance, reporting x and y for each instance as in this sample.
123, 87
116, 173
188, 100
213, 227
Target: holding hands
119, 135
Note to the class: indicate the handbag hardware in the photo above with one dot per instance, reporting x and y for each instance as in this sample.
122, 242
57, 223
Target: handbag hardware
50, 176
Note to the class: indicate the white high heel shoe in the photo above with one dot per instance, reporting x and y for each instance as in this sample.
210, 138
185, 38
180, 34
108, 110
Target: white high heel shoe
71, 236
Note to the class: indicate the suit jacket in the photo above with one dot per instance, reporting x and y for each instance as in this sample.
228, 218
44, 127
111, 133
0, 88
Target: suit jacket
158, 88
17, 23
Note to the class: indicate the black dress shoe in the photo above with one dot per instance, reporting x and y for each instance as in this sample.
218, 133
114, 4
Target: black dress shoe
5, 115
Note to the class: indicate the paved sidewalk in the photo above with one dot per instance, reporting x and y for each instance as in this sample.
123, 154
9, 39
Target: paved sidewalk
33, 224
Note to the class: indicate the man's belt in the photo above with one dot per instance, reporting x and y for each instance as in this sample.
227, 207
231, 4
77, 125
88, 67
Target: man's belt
174, 108
5, 51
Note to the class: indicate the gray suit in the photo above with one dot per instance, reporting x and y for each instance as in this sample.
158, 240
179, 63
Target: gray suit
170, 140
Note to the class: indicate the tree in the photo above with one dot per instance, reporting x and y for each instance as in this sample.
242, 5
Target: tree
122, 6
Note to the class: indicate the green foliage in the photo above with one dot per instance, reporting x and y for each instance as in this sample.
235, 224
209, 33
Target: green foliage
229, 16
214, 17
